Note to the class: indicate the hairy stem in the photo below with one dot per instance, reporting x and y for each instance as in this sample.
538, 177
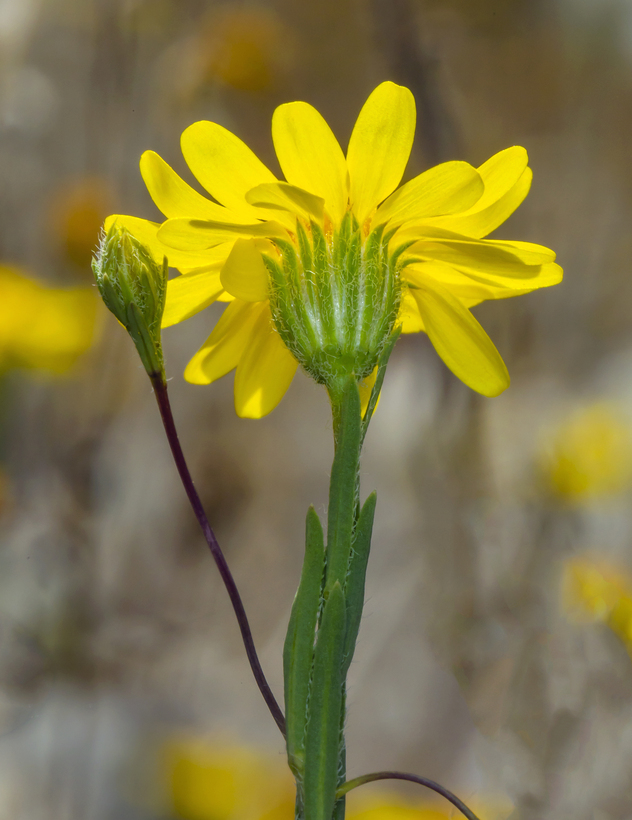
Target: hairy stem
162, 397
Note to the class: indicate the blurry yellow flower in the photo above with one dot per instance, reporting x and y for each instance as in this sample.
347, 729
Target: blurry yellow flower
248, 48
244, 47
590, 455
384, 805
281, 252
593, 590
76, 213
43, 328
224, 781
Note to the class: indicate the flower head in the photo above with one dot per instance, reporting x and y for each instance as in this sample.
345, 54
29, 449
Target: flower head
320, 268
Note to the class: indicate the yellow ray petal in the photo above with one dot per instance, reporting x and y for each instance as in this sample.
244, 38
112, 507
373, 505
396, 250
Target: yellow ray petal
365, 388
470, 291
310, 156
195, 235
511, 265
223, 349
526, 252
244, 274
500, 173
477, 222
189, 294
447, 188
147, 233
457, 282
283, 196
379, 147
264, 372
224, 165
409, 317
174, 197
460, 340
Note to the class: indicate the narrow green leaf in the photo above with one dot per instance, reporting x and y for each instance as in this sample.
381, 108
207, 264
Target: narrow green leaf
381, 372
322, 741
354, 589
298, 650
343, 482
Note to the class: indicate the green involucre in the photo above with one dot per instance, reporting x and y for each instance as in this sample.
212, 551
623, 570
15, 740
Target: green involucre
335, 298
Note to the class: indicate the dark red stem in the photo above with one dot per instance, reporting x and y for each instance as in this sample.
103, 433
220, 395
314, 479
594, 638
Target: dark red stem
162, 397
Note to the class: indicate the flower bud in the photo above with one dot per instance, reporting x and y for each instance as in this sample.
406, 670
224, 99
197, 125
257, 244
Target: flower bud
133, 288
334, 298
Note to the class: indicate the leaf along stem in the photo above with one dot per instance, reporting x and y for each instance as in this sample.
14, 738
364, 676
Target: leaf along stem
162, 398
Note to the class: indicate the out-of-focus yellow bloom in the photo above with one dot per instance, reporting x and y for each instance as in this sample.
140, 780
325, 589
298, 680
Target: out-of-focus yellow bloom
248, 48
241, 46
590, 455
384, 805
75, 214
224, 781
593, 590
334, 238
43, 328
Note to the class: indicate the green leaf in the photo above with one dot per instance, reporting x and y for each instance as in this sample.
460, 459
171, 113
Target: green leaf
354, 589
298, 651
322, 741
381, 372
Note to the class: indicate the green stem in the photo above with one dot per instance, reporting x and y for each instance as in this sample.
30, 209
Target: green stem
326, 614
323, 627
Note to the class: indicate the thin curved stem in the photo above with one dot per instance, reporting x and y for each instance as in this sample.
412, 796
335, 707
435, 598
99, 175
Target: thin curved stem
162, 397
412, 778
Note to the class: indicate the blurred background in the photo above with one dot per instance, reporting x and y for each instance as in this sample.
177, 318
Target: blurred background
494, 654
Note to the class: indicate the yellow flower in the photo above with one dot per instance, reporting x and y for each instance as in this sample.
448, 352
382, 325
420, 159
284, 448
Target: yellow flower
247, 48
43, 328
593, 590
215, 780
590, 455
385, 805
75, 215
416, 254
225, 781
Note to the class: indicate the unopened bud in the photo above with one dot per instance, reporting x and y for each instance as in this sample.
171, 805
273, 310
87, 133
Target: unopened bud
133, 288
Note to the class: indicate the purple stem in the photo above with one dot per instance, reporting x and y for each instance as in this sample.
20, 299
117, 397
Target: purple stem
162, 397
412, 778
